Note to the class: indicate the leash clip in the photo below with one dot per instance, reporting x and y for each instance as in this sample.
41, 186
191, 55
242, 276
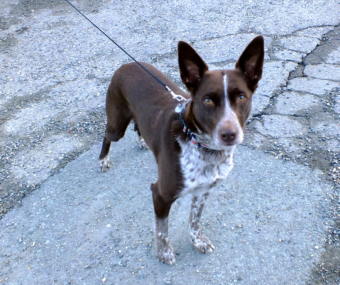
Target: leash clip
177, 97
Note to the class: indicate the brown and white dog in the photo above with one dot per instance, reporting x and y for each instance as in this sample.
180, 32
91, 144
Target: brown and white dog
193, 141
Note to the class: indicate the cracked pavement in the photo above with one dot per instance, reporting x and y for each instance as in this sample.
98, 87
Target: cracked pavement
63, 222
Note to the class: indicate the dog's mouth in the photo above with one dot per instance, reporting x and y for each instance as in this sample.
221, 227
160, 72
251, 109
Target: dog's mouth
213, 144
219, 144
231, 144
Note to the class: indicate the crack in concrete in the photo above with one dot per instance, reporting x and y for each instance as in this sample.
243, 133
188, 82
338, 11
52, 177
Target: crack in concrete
299, 72
326, 271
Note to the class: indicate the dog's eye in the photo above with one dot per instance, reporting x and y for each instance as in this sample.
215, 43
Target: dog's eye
208, 102
242, 96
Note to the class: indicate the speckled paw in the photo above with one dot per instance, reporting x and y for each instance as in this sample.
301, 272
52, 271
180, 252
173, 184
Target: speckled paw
203, 244
167, 255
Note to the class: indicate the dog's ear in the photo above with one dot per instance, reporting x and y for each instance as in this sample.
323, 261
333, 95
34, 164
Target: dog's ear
191, 66
250, 62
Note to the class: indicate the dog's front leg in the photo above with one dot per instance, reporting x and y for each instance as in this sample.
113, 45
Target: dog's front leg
199, 240
165, 252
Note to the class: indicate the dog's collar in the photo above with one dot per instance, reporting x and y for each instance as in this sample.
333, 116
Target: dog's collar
189, 133
193, 136
180, 109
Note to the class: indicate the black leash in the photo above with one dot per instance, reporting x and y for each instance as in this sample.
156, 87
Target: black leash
177, 97
166, 87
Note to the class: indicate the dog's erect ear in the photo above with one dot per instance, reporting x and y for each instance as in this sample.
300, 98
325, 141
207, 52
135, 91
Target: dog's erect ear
191, 66
250, 62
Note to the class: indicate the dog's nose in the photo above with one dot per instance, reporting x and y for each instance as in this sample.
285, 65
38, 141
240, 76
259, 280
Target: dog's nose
228, 136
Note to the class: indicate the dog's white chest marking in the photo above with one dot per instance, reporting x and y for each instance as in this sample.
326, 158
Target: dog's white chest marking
202, 169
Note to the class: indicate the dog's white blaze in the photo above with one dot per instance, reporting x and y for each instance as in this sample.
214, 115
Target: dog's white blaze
228, 116
228, 112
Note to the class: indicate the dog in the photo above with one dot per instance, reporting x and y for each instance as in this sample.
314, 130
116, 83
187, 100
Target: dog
193, 140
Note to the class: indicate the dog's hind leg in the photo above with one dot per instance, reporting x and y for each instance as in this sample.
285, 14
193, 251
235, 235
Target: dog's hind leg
112, 134
199, 240
165, 252
104, 155
141, 142
118, 118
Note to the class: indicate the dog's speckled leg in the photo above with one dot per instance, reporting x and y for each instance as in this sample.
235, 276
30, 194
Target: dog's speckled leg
165, 251
199, 240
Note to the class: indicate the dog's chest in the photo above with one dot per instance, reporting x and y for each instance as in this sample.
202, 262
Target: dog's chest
201, 169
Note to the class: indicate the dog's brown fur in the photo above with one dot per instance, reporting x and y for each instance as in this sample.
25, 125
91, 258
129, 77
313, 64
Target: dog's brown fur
134, 95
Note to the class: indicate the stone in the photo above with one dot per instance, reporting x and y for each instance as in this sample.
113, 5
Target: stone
254, 139
226, 48
29, 119
292, 103
337, 104
314, 32
323, 71
275, 75
289, 145
260, 102
288, 55
326, 128
279, 126
301, 44
331, 144
34, 166
334, 57
312, 85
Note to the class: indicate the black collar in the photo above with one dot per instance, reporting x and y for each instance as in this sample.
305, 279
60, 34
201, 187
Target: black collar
193, 137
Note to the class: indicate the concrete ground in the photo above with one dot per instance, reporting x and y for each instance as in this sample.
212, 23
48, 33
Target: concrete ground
64, 222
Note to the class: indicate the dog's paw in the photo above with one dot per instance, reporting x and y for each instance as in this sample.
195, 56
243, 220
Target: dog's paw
202, 244
166, 254
105, 164
142, 144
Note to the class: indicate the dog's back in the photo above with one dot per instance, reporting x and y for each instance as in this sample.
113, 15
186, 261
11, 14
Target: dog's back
134, 95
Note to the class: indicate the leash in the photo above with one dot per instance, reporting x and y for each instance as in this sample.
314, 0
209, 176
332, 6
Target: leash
177, 97
193, 137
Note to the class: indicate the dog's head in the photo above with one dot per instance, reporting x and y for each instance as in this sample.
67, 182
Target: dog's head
221, 99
